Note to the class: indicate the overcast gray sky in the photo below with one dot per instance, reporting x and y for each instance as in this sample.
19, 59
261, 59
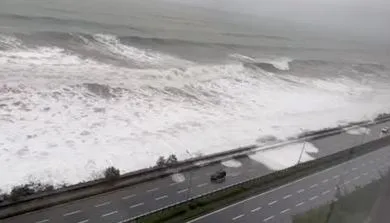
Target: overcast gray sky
364, 18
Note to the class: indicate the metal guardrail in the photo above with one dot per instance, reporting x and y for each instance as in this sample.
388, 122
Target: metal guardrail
330, 160
101, 186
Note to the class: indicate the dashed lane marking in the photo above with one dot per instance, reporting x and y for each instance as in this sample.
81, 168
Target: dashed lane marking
128, 196
182, 191
202, 185
299, 204
285, 210
137, 205
287, 196
160, 198
103, 204
151, 190
71, 213
238, 217
269, 218
272, 202
300, 191
109, 213
256, 209
42, 221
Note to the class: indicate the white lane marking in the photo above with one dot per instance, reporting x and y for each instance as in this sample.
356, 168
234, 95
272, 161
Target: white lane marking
71, 213
202, 185
162, 197
151, 190
102, 204
174, 183
324, 181
313, 198
237, 217
256, 209
108, 214
354, 168
287, 196
42, 221
182, 191
346, 172
84, 221
278, 188
347, 182
314, 185
325, 192
285, 210
272, 202
356, 178
299, 204
336, 176
269, 218
365, 173
300, 191
128, 196
137, 205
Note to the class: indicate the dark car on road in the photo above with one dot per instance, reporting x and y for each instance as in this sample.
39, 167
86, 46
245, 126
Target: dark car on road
218, 176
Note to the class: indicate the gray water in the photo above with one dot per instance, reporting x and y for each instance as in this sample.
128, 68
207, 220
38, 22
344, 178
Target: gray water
195, 33
92, 83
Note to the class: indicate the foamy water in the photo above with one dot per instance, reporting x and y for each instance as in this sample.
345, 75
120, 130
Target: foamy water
64, 117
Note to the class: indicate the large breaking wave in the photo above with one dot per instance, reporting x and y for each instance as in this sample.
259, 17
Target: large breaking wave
97, 100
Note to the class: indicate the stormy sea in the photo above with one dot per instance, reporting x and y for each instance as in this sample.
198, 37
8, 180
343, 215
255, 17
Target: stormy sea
88, 85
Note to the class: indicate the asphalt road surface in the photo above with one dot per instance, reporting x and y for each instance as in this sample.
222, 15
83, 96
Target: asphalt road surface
146, 197
279, 204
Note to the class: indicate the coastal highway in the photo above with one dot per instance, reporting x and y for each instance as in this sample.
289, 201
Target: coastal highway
139, 199
279, 204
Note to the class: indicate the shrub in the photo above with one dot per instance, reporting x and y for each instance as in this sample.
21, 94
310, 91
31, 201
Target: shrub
21, 191
161, 162
381, 116
172, 160
28, 189
111, 173
3, 197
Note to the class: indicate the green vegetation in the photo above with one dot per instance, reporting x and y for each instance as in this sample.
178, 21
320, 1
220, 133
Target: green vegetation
382, 116
111, 173
354, 207
170, 161
24, 190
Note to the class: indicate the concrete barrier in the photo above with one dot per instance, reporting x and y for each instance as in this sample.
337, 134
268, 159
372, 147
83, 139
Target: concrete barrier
268, 181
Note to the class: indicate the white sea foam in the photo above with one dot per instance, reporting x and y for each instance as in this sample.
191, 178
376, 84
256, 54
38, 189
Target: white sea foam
55, 129
111, 44
285, 156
